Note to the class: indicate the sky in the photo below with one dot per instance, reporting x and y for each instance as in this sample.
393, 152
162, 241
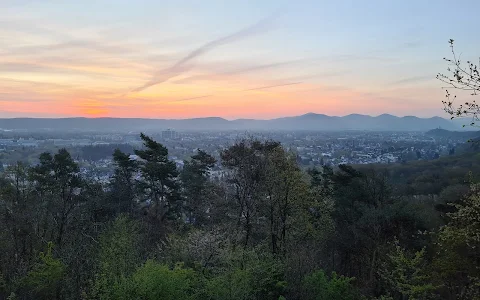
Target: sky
228, 58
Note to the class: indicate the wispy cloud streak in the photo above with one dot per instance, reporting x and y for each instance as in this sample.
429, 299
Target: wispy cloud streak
239, 71
272, 86
182, 65
192, 98
415, 79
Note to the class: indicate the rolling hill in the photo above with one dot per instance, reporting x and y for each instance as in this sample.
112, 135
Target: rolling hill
310, 121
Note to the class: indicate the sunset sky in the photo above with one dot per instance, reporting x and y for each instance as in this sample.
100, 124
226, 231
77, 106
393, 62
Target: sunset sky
232, 59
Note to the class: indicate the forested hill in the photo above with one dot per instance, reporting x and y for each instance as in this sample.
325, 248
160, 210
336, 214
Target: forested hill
443, 133
431, 177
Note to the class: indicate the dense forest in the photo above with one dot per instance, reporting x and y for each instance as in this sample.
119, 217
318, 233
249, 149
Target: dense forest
264, 230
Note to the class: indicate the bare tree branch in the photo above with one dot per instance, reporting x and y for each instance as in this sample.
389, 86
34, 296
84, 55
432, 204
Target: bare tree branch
465, 77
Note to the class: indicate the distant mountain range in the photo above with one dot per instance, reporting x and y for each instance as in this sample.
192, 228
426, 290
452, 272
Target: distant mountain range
310, 121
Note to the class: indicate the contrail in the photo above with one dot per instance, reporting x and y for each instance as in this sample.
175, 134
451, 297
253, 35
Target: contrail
182, 65
272, 86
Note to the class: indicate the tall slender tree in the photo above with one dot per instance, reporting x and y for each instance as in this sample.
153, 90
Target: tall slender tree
159, 181
197, 189
123, 188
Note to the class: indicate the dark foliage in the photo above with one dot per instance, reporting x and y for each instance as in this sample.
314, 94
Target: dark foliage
262, 229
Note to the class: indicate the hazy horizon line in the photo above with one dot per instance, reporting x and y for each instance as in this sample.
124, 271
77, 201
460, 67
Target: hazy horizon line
227, 119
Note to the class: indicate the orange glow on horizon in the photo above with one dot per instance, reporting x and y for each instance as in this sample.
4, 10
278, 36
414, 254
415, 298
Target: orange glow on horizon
62, 59
62, 90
